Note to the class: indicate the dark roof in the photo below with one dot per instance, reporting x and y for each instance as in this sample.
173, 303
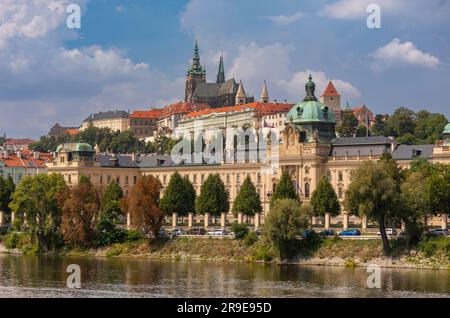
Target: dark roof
375, 140
110, 161
407, 152
113, 114
156, 161
359, 150
215, 89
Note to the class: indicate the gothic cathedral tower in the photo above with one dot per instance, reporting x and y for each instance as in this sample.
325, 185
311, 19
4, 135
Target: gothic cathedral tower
195, 74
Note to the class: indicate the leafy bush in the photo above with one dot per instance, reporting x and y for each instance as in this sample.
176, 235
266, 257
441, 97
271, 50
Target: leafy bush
264, 253
435, 245
133, 236
240, 230
17, 224
12, 240
250, 238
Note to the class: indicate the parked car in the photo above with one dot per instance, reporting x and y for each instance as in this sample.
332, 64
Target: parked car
197, 231
352, 232
308, 233
438, 232
217, 233
389, 231
327, 233
178, 232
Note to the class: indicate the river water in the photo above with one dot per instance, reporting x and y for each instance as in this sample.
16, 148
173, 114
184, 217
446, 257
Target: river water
23, 276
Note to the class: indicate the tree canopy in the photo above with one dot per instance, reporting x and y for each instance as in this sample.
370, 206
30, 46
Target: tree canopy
247, 201
285, 189
324, 199
37, 196
213, 197
143, 205
7, 188
284, 223
374, 192
348, 125
179, 196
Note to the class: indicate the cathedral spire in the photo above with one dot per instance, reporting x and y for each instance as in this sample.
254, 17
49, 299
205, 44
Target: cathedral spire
264, 94
196, 67
221, 73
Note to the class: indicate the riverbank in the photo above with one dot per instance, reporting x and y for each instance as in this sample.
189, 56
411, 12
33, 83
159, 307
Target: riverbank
432, 254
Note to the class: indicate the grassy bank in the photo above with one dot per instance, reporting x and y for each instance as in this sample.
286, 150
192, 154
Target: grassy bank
430, 253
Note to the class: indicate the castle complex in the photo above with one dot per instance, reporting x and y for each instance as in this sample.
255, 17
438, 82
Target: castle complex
308, 150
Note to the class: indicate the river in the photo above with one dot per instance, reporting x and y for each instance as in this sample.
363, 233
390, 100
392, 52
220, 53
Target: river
24, 276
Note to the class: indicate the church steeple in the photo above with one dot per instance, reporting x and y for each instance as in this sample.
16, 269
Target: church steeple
196, 68
195, 74
264, 94
221, 73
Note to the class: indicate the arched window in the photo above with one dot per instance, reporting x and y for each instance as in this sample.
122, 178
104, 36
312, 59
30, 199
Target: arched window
306, 190
307, 170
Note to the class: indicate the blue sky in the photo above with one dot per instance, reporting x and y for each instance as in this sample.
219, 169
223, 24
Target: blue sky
133, 54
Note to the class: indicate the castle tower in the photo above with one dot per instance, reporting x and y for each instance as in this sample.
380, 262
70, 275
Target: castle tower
264, 94
221, 72
241, 97
195, 74
332, 99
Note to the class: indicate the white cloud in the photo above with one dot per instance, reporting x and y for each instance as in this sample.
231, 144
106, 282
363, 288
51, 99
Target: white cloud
295, 85
431, 10
120, 9
286, 19
273, 63
396, 53
47, 82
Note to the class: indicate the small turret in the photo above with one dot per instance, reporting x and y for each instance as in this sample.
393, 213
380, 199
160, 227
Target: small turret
241, 97
264, 94
221, 72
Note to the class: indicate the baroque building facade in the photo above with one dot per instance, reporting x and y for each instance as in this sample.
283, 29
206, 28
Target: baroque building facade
309, 150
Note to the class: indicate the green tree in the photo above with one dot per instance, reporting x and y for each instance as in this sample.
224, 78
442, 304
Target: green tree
401, 122
213, 197
285, 189
379, 127
38, 197
429, 127
438, 189
415, 203
374, 191
284, 223
348, 125
7, 188
178, 196
107, 231
324, 199
112, 193
247, 201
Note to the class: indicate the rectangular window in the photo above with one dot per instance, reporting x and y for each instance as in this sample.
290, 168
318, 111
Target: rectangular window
126, 180
340, 176
134, 179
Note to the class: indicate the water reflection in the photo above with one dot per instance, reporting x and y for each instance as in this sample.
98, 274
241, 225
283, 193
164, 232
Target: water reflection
22, 276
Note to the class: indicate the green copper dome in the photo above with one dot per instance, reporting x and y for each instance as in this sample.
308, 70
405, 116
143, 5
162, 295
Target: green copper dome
447, 129
310, 110
75, 147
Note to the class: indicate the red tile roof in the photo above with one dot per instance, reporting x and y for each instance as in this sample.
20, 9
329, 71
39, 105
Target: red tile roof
26, 161
330, 90
182, 108
72, 131
261, 109
149, 114
12, 141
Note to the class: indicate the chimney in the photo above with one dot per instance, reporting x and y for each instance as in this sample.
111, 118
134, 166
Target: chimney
36, 154
19, 154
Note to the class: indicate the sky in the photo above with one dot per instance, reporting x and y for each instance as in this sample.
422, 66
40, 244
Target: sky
133, 54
